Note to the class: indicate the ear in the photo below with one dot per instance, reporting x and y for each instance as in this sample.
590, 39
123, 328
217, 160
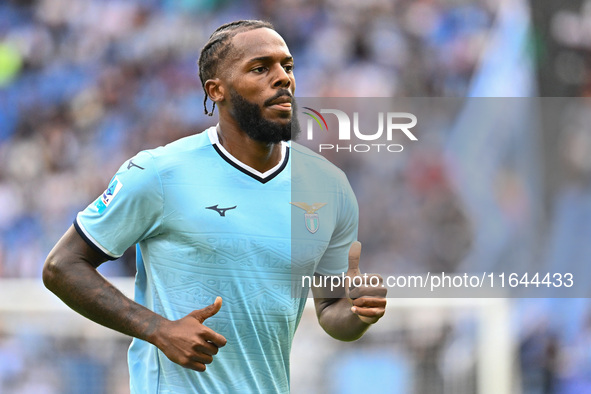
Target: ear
215, 90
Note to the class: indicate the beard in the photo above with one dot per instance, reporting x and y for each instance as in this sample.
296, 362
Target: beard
250, 120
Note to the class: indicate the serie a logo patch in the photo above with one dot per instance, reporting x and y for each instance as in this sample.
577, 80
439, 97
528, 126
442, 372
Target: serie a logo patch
311, 217
105, 199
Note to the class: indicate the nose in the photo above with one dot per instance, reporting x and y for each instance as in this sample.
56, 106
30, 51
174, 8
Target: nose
282, 78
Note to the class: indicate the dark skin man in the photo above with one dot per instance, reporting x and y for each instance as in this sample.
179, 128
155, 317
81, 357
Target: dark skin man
257, 72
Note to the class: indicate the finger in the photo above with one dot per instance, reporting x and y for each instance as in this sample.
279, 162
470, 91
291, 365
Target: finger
368, 312
370, 302
359, 292
354, 255
196, 366
368, 291
208, 348
213, 337
353, 270
202, 359
208, 311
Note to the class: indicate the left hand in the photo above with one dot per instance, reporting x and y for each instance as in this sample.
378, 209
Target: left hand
365, 292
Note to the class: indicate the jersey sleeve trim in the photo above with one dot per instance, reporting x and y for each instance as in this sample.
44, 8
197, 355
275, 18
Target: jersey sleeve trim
92, 242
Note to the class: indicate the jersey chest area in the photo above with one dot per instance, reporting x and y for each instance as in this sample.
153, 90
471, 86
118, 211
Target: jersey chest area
233, 223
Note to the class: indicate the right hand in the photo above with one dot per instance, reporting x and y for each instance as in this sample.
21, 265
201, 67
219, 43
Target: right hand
188, 342
368, 296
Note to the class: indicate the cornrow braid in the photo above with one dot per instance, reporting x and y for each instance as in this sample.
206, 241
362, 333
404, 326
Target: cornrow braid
218, 47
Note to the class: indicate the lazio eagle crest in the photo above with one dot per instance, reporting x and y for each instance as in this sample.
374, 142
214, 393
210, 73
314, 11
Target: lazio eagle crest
311, 217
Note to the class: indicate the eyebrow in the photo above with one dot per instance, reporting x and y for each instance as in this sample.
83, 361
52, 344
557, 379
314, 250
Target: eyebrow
268, 58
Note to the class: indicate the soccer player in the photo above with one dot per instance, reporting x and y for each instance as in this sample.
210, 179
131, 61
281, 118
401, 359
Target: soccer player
235, 213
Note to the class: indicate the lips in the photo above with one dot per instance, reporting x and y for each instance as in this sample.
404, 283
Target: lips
282, 103
283, 100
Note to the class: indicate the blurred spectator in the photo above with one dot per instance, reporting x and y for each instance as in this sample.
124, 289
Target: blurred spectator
87, 84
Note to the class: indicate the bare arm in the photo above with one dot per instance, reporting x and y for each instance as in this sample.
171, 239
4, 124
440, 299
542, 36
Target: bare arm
70, 272
344, 313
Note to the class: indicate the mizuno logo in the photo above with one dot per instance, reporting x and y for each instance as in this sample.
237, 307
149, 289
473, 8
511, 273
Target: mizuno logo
221, 211
132, 164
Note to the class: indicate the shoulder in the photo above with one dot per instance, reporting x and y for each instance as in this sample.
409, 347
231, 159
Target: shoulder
304, 152
188, 144
309, 163
172, 154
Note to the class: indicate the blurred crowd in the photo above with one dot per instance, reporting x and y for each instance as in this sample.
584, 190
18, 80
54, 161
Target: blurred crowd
86, 84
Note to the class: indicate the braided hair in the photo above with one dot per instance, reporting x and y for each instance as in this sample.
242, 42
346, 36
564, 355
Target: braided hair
218, 47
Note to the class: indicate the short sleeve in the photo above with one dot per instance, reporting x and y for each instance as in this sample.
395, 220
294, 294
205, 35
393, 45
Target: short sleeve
129, 211
335, 259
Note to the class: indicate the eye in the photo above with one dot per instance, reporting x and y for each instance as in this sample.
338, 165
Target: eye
288, 68
259, 69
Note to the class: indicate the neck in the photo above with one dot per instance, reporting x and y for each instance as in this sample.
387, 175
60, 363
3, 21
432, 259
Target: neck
258, 155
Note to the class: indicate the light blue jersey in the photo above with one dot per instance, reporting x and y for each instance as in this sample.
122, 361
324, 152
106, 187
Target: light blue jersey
207, 225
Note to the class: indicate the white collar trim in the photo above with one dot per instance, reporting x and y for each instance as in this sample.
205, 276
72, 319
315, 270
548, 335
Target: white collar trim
213, 138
